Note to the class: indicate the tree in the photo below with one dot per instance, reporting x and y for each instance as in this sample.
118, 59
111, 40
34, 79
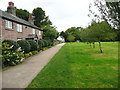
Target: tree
109, 11
98, 32
70, 38
50, 33
23, 14
40, 18
74, 31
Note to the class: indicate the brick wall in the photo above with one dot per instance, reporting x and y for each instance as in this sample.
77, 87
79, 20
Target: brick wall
12, 34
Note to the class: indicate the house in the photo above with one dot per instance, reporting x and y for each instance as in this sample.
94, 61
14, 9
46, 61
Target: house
14, 28
60, 38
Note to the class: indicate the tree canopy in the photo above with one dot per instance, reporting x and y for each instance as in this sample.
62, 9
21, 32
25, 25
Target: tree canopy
23, 14
50, 33
40, 18
71, 32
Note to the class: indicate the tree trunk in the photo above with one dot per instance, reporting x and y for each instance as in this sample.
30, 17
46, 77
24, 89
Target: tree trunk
93, 44
90, 44
100, 48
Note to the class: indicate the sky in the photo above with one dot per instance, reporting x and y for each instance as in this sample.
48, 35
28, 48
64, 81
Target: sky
63, 13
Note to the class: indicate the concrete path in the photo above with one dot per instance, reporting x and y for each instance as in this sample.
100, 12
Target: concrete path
21, 75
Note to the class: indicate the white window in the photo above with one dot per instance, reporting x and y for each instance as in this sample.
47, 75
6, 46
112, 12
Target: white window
33, 31
39, 32
9, 24
19, 28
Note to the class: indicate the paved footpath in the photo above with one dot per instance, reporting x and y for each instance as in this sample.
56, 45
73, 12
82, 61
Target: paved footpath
21, 75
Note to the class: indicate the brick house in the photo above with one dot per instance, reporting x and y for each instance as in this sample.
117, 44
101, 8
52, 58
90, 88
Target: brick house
14, 28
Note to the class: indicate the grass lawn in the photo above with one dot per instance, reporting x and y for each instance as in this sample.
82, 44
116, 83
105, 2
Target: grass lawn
77, 65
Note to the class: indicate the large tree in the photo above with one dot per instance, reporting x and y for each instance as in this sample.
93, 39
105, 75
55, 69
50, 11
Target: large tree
109, 11
40, 18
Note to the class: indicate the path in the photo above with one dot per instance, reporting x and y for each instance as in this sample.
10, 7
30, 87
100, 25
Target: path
21, 75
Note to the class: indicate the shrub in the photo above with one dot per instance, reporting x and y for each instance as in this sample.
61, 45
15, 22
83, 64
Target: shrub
34, 45
24, 44
12, 44
34, 52
45, 43
10, 57
26, 55
41, 44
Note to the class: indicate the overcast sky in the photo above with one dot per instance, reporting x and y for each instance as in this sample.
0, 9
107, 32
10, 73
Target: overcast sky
63, 13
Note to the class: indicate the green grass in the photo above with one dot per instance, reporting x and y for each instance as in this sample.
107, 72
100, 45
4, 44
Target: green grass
77, 65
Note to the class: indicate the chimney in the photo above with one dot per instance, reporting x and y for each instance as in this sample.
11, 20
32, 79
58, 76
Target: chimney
11, 9
31, 19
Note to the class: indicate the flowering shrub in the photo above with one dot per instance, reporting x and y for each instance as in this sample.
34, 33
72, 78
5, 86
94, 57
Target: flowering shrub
12, 43
11, 57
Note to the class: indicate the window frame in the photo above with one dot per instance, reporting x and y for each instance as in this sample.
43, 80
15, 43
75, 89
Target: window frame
9, 24
19, 28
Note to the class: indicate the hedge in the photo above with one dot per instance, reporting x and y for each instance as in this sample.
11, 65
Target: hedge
34, 45
24, 44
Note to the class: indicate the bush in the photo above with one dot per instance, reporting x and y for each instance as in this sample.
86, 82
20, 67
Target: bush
40, 44
45, 43
24, 44
34, 52
10, 57
12, 44
34, 45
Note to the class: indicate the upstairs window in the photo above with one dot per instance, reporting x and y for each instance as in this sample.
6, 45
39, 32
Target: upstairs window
9, 24
19, 28
33, 31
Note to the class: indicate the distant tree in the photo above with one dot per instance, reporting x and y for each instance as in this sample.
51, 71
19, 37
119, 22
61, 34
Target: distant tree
70, 38
23, 14
74, 31
40, 18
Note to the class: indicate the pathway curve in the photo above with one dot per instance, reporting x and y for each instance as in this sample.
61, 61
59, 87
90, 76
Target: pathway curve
21, 75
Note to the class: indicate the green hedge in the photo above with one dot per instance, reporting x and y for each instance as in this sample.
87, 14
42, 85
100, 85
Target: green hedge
34, 45
40, 44
24, 44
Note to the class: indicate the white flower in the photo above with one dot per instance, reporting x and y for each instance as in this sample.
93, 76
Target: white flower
12, 46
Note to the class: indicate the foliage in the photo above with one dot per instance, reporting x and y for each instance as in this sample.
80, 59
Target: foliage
40, 17
98, 32
23, 14
10, 56
70, 38
34, 52
33, 44
110, 11
24, 44
45, 43
41, 44
78, 65
12, 44
49, 33
71, 32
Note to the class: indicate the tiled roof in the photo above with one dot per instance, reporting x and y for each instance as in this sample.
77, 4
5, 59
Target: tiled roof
13, 18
